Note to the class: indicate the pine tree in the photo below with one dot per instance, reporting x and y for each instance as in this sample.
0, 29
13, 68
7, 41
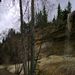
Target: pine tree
44, 15
59, 17
65, 14
69, 7
39, 19
59, 11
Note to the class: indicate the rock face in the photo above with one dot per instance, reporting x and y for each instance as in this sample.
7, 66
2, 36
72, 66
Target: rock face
5, 72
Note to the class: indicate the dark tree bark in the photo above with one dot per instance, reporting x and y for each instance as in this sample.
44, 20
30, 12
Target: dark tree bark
0, 0
23, 39
32, 39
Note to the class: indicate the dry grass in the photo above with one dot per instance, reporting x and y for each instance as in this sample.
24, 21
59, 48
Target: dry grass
52, 65
56, 65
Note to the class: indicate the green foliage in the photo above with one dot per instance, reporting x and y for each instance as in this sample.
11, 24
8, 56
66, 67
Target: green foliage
62, 15
44, 16
59, 12
69, 7
41, 20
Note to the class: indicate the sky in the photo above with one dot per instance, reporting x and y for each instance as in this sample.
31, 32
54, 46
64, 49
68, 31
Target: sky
9, 13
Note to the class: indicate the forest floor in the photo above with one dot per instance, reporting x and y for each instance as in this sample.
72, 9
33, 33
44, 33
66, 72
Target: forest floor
52, 65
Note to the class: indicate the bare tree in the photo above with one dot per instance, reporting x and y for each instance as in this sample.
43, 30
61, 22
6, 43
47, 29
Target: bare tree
23, 41
32, 39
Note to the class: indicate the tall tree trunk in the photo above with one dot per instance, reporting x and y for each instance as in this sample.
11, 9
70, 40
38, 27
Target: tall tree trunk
23, 40
32, 39
0, 0
32, 54
21, 14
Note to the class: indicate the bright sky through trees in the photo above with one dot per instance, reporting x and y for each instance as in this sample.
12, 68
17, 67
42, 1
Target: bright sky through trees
9, 14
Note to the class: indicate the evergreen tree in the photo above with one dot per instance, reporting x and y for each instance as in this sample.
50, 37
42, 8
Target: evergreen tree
64, 17
59, 17
69, 7
44, 15
41, 20
59, 12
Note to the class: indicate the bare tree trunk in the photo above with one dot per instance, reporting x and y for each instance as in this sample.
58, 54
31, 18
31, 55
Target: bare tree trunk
0, 0
21, 13
23, 40
28, 50
32, 39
